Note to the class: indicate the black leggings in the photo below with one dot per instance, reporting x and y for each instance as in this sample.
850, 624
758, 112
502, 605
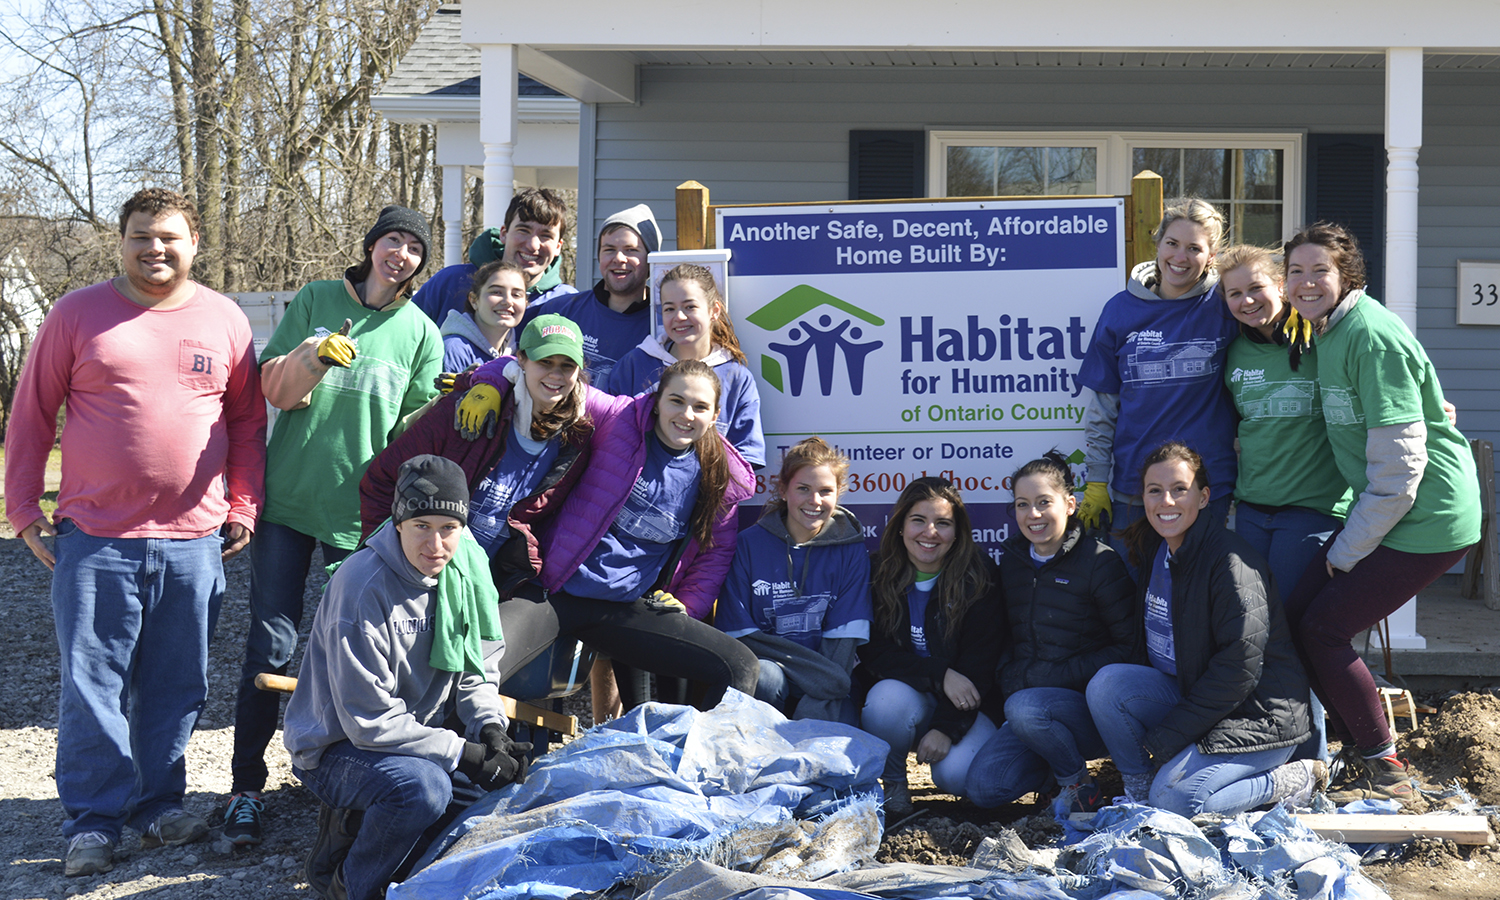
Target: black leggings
659, 641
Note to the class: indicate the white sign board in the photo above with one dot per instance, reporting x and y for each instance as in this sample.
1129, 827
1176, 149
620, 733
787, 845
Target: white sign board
923, 338
1478, 292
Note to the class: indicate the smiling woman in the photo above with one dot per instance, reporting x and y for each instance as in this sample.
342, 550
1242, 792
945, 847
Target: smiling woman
931, 658
1210, 715
350, 359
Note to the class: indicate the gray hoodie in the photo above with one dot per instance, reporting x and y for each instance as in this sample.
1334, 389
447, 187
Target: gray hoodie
365, 677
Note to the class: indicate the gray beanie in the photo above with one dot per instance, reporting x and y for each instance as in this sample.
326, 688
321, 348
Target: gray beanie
430, 485
399, 218
641, 221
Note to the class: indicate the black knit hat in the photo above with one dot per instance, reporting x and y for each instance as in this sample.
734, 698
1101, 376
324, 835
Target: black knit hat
430, 485
399, 218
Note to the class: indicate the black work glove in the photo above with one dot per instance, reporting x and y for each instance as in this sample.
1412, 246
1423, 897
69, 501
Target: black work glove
493, 736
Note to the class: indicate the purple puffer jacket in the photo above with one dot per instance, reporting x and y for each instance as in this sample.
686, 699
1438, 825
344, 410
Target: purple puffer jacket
621, 427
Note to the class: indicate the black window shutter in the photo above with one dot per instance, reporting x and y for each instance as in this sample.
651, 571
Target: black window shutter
887, 165
1346, 185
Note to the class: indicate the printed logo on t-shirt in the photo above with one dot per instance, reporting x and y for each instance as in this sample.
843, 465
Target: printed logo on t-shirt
796, 615
1154, 362
1341, 406
644, 520
1261, 399
201, 367
412, 626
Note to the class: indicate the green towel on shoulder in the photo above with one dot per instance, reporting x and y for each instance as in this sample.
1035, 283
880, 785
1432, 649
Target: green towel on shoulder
467, 610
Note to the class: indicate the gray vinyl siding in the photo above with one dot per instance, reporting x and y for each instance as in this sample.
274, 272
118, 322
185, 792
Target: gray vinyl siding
781, 134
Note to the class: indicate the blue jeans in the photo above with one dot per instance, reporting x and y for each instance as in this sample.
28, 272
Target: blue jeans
900, 715
776, 689
406, 802
1047, 731
1127, 701
1289, 538
134, 617
279, 561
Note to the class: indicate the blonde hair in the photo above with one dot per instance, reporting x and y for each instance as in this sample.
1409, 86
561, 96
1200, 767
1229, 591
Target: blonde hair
1249, 256
1194, 210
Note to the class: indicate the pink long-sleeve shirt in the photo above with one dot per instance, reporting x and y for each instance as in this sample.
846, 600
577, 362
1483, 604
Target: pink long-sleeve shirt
164, 409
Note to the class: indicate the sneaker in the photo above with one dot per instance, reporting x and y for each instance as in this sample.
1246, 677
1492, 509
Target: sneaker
897, 802
174, 828
1078, 798
1385, 778
89, 853
325, 859
242, 819
1345, 768
1297, 781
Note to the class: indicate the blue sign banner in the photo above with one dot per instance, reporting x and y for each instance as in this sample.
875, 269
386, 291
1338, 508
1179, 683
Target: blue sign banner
940, 238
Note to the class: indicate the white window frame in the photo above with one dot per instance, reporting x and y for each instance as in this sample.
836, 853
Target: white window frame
1115, 149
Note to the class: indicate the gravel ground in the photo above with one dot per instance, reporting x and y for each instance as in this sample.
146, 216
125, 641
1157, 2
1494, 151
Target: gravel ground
1462, 743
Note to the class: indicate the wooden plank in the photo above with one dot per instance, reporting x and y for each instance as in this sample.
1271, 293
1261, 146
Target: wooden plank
692, 216
521, 711
516, 710
1364, 828
1146, 194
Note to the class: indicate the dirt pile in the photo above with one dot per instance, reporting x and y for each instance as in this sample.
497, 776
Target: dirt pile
1462, 743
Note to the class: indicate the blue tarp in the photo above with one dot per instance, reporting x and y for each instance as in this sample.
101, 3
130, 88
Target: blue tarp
702, 799
647, 793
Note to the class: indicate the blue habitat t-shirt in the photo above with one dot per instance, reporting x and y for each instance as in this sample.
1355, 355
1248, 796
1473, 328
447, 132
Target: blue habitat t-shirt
655, 516
1165, 360
518, 474
917, 599
607, 335
1161, 643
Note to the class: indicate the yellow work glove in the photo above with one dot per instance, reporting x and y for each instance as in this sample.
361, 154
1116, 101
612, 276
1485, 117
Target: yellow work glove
1095, 501
444, 382
1298, 329
664, 601
337, 349
478, 412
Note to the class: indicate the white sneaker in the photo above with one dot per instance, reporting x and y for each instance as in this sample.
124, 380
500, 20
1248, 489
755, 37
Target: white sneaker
89, 853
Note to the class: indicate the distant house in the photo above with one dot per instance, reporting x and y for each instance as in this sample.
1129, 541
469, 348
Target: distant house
1381, 115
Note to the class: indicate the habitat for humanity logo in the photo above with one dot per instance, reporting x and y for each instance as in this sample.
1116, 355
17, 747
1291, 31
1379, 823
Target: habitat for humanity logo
814, 335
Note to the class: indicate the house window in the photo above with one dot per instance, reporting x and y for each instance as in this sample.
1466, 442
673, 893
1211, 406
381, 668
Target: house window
1254, 178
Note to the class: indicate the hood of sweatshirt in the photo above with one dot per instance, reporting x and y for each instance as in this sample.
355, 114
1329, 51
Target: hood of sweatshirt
843, 528
386, 543
463, 325
1143, 282
653, 347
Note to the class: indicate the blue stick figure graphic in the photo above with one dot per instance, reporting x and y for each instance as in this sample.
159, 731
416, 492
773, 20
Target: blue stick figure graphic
796, 359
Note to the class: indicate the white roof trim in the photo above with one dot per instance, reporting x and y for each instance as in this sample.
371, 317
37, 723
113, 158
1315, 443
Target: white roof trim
432, 108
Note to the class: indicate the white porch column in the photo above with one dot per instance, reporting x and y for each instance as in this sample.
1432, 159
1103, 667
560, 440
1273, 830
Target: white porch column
1403, 141
453, 215
497, 127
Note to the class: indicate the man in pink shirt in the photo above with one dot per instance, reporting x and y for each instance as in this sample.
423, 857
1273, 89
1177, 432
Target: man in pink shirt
163, 461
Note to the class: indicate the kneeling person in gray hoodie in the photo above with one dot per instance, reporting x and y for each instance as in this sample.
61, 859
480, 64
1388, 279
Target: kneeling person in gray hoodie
400, 640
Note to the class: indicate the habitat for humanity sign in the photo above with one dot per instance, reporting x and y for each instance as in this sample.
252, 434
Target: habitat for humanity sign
924, 338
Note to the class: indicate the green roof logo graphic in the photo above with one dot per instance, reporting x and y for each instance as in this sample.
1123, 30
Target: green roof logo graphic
823, 340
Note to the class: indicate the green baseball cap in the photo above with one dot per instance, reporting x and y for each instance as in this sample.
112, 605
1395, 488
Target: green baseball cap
553, 335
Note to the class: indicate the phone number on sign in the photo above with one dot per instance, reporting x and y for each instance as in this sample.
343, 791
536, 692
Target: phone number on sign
895, 482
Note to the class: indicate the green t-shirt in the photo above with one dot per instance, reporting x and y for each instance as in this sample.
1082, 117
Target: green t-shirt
1373, 373
1285, 458
318, 454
